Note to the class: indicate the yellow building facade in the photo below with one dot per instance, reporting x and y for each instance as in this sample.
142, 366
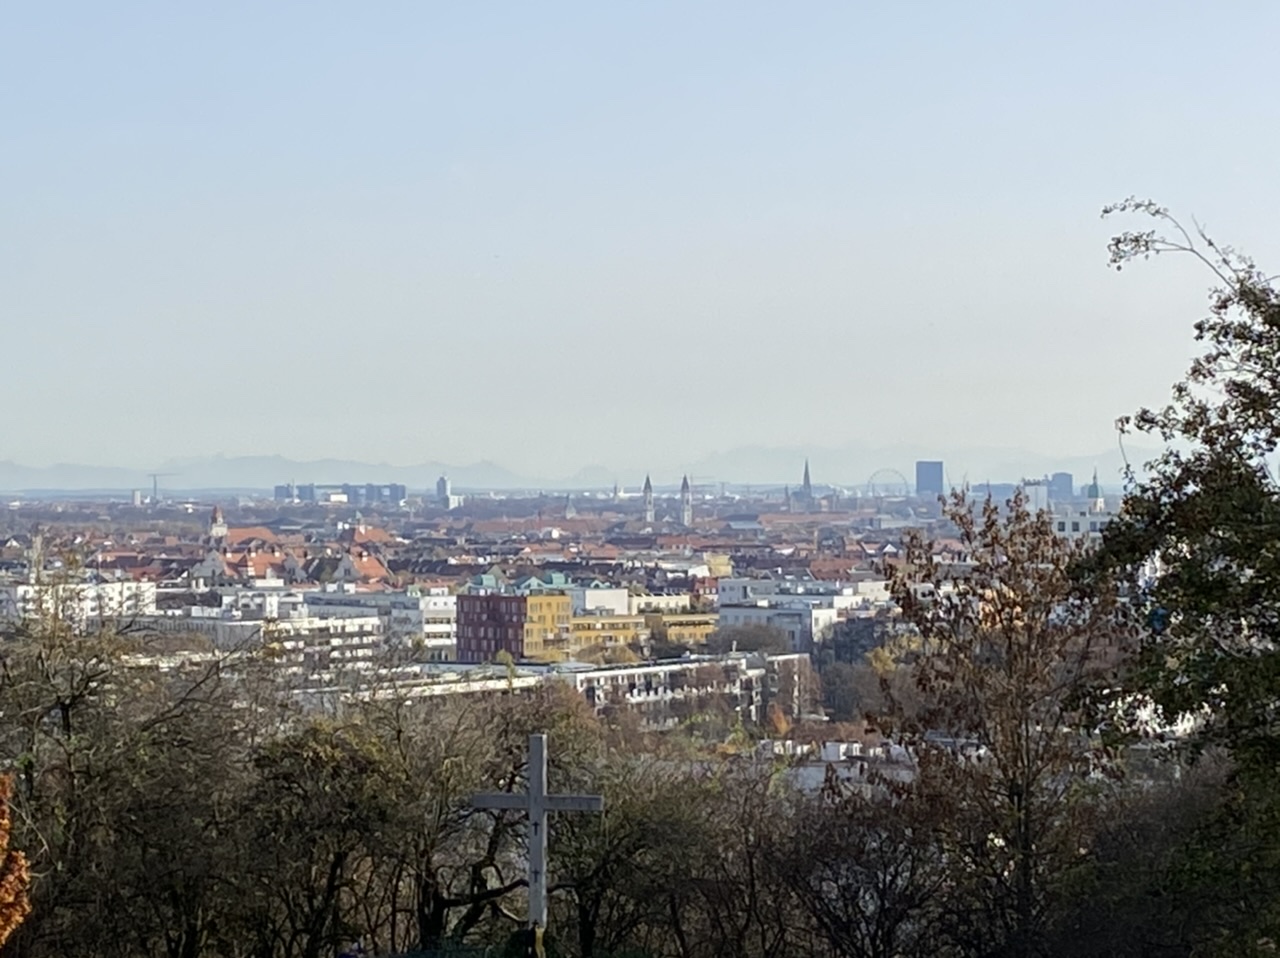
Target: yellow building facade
682, 628
546, 626
608, 630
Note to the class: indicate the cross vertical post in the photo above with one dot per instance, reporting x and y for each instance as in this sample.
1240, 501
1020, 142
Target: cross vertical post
538, 830
536, 803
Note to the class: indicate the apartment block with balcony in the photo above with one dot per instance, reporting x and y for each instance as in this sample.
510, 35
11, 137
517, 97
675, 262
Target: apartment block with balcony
605, 630
682, 628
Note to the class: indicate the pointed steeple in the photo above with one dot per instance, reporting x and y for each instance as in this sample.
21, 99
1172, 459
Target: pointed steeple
686, 503
217, 525
648, 500
1096, 502
684, 486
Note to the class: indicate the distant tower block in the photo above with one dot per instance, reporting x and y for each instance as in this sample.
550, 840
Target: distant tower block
648, 500
929, 479
443, 491
686, 504
1062, 487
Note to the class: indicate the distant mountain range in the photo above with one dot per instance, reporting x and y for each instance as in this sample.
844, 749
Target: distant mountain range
849, 466
249, 472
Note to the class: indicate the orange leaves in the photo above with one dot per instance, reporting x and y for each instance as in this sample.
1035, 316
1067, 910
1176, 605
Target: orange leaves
15, 876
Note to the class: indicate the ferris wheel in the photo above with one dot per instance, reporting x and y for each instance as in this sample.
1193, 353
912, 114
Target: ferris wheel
888, 483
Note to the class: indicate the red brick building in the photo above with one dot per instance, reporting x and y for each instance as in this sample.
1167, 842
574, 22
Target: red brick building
489, 624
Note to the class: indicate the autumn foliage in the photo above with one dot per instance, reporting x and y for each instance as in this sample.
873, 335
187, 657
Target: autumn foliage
15, 877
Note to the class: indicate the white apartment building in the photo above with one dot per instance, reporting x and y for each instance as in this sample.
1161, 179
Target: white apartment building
610, 601
806, 623
83, 603
304, 645
663, 692
1082, 525
425, 617
834, 595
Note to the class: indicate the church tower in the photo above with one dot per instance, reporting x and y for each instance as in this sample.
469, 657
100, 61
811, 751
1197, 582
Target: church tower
217, 526
686, 504
1094, 494
648, 500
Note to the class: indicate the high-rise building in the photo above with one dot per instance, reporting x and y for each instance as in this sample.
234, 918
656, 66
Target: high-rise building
930, 482
1062, 487
444, 491
1037, 494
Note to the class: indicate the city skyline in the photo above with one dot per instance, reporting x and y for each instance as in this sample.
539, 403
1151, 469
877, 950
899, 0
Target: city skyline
846, 468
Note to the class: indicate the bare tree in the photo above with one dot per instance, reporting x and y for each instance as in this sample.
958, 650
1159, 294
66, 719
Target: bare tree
1011, 657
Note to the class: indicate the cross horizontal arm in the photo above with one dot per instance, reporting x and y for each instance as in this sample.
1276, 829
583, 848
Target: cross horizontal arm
574, 803
499, 800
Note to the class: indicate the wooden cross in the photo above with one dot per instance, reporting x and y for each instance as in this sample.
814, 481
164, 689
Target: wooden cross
537, 803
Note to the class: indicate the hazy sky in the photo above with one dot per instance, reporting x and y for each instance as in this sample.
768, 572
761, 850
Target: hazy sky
620, 233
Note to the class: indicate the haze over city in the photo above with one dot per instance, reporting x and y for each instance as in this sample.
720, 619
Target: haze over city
633, 237
639, 480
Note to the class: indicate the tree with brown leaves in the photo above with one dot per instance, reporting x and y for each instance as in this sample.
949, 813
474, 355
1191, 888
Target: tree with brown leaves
15, 876
1010, 657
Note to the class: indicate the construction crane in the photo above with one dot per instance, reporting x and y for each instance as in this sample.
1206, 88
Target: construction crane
700, 484
155, 484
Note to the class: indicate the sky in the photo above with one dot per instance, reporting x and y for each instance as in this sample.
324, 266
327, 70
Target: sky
554, 235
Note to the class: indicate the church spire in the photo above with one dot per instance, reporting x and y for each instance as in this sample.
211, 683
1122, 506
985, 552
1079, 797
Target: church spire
1096, 501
